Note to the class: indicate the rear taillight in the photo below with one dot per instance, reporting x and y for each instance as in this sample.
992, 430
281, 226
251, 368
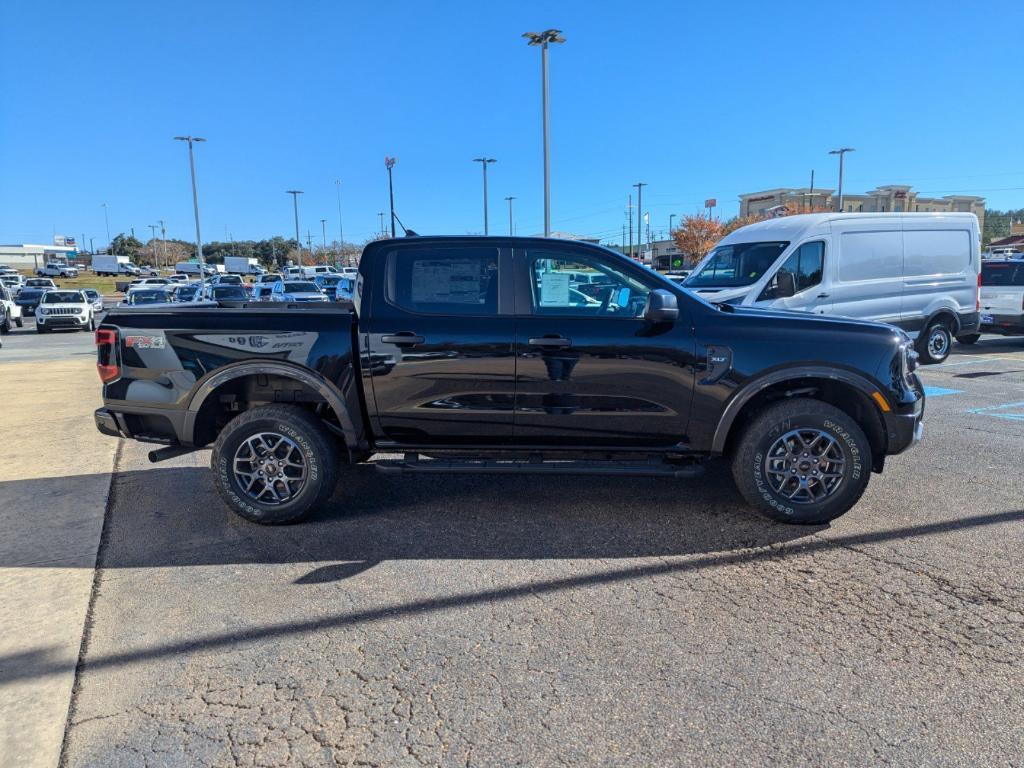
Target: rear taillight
977, 297
106, 355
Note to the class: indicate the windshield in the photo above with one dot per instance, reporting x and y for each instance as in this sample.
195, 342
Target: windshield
229, 292
735, 265
63, 297
329, 282
270, 278
148, 297
186, 292
301, 288
1003, 274
230, 279
37, 283
30, 293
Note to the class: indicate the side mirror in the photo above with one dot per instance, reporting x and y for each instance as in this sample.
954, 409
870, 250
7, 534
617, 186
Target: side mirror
662, 307
786, 282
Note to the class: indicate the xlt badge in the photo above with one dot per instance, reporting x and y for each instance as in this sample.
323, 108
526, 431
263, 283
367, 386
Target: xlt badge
719, 363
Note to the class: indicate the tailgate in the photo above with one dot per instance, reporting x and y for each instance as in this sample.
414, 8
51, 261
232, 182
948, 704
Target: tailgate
1002, 300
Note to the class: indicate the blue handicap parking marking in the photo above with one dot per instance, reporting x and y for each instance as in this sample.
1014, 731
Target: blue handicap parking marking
940, 391
1009, 411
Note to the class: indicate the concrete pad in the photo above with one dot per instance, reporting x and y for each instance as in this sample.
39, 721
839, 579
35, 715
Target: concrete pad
53, 494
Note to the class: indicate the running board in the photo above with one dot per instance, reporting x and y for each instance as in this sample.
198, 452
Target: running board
654, 468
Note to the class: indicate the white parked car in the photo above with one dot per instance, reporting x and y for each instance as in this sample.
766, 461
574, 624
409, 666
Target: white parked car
1002, 299
95, 299
9, 311
65, 309
917, 271
296, 291
148, 282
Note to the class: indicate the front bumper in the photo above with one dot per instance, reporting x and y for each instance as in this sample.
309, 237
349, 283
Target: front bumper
62, 321
904, 425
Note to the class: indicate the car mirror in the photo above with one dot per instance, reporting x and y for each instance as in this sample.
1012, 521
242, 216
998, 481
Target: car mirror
662, 307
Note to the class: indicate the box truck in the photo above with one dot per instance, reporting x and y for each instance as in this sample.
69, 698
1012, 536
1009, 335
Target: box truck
243, 265
108, 264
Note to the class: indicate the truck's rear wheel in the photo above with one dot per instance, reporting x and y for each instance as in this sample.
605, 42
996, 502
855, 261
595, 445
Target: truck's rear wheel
275, 464
802, 461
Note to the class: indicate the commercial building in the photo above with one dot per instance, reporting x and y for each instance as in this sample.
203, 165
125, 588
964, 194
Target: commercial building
894, 198
29, 256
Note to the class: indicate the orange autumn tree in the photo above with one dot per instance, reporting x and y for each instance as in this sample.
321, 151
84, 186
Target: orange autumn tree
695, 236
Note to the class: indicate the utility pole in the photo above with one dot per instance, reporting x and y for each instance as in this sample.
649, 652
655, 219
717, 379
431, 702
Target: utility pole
629, 210
670, 217
483, 164
323, 226
92, 248
639, 217
542, 39
195, 198
383, 232
341, 231
389, 163
841, 152
295, 202
510, 199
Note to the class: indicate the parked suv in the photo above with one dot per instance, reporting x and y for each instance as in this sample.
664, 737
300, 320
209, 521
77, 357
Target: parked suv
473, 354
1002, 299
10, 312
65, 309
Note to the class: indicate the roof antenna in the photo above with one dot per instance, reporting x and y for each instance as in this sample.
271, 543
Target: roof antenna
406, 232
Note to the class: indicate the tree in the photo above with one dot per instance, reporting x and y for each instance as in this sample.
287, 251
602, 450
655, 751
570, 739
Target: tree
997, 223
696, 236
126, 245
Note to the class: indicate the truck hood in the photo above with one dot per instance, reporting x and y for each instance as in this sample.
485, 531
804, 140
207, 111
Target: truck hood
822, 322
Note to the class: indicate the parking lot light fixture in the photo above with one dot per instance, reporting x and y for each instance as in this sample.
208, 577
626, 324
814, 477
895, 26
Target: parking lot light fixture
195, 197
484, 161
842, 151
509, 200
295, 201
543, 39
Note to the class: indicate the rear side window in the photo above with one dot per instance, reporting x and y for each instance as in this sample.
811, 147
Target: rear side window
444, 281
1002, 274
936, 252
870, 256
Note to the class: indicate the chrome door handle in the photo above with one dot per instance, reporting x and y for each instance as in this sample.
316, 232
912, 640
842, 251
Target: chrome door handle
405, 338
551, 342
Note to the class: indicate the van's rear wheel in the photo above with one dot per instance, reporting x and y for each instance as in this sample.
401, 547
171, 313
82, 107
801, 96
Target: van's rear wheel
802, 461
968, 338
934, 344
275, 464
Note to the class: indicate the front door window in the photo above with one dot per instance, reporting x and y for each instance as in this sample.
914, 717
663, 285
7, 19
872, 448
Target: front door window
583, 286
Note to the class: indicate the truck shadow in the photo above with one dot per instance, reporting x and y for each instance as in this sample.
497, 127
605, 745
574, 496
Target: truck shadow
163, 517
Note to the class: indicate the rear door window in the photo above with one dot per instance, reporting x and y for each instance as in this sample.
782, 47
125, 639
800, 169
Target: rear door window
936, 252
444, 281
1005, 274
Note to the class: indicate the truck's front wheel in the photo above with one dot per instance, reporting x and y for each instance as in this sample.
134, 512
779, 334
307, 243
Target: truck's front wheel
275, 464
802, 461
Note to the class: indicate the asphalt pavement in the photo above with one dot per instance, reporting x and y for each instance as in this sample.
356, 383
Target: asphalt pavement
433, 620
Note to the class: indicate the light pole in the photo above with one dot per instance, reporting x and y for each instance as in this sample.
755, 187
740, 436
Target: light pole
92, 248
195, 198
670, 217
383, 232
841, 152
483, 164
542, 39
106, 218
152, 229
295, 201
509, 199
163, 241
389, 163
341, 232
323, 226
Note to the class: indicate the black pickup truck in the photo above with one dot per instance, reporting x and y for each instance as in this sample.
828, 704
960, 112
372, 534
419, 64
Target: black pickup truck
528, 355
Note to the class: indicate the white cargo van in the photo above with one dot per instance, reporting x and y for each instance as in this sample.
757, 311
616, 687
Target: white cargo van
918, 271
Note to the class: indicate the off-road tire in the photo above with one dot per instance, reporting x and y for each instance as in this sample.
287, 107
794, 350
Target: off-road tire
40, 328
968, 338
20, 322
318, 448
934, 343
750, 460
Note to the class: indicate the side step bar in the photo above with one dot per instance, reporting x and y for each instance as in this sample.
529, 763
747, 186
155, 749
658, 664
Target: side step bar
535, 466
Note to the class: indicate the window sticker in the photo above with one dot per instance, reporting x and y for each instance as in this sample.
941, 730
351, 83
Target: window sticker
554, 289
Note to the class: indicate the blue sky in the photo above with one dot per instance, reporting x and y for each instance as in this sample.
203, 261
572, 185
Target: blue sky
697, 100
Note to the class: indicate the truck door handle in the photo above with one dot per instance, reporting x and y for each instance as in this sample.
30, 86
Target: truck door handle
402, 339
823, 295
551, 342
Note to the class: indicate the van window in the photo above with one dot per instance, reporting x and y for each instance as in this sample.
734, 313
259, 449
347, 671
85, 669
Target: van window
870, 256
936, 251
806, 265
